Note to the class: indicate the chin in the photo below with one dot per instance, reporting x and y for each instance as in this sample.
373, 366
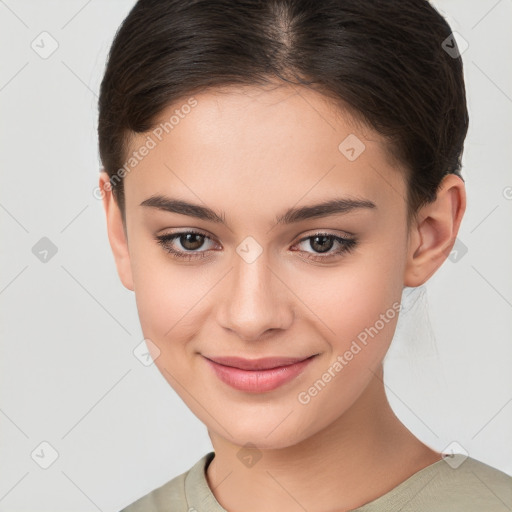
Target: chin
271, 434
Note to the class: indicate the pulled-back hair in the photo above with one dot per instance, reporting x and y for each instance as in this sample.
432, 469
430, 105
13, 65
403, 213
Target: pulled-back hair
384, 60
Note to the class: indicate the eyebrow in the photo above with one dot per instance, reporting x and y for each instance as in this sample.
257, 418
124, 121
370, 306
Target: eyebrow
329, 207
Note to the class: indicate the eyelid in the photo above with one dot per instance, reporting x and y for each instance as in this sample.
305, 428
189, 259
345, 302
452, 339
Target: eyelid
328, 232
176, 234
318, 232
180, 231
347, 244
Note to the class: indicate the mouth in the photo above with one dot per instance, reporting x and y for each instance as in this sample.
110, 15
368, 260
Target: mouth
258, 375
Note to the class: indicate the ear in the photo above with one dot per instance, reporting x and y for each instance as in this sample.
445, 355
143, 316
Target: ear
116, 232
432, 234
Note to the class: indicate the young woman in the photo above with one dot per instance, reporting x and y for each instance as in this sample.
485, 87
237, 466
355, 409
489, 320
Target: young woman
275, 173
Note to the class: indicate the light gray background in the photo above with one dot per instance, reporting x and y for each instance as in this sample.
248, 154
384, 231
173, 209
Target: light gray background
68, 374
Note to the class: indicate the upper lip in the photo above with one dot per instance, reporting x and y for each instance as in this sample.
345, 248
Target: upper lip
265, 363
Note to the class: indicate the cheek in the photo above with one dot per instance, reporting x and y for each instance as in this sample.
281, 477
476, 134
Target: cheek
356, 309
351, 297
361, 314
357, 322
167, 294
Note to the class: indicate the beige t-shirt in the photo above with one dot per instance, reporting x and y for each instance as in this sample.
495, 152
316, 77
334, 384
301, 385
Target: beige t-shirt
471, 487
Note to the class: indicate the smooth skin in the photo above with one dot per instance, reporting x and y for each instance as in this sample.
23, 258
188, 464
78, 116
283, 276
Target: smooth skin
250, 154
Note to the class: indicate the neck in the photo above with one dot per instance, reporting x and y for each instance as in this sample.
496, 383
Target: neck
364, 454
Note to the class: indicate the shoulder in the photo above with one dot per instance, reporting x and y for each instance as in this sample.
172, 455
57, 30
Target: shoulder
477, 485
171, 496
473, 486
447, 486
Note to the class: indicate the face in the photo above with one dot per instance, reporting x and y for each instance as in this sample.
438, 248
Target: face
252, 270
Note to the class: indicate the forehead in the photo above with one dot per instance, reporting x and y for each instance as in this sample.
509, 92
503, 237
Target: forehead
280, 143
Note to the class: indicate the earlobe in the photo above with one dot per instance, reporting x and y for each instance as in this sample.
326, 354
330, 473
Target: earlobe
433, 233
116, 232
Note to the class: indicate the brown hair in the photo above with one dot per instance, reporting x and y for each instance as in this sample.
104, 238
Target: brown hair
383, 59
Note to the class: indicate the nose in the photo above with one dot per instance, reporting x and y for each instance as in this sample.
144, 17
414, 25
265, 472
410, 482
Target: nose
254, 300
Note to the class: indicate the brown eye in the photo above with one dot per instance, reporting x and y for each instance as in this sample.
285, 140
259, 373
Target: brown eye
322, 243
185, 244
191, 241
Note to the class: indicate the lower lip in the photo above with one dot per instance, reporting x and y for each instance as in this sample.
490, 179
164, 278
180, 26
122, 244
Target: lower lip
258, 381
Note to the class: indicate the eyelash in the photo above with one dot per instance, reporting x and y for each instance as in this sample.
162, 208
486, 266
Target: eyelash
347, 245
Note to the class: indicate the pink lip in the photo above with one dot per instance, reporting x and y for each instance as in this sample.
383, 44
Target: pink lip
257, 375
